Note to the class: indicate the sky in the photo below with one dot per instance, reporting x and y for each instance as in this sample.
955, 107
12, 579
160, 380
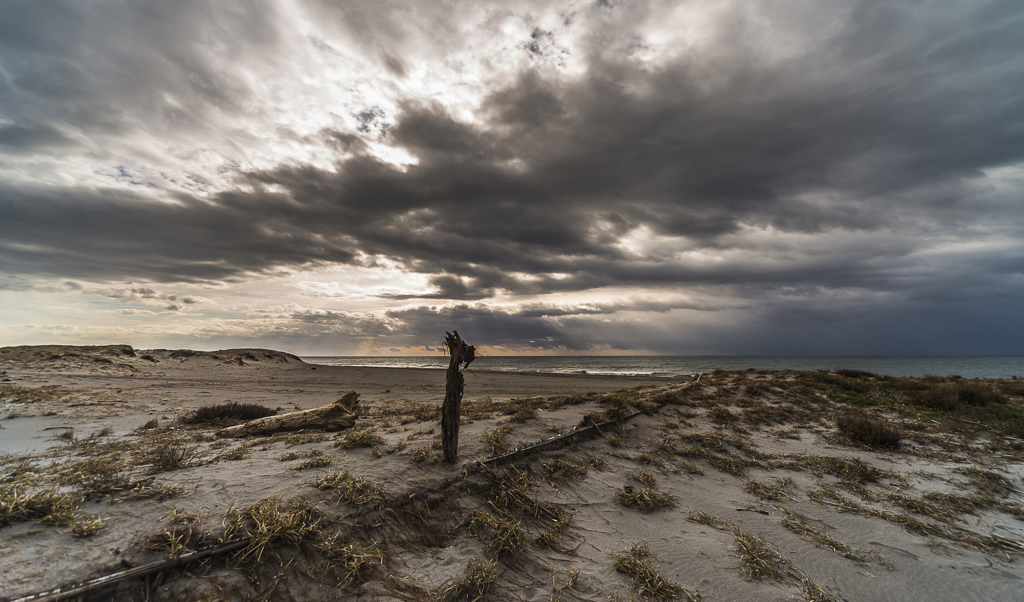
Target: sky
780, 177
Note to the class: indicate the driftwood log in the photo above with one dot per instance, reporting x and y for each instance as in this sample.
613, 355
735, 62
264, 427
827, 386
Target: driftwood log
76, 592
461, 354
332, 417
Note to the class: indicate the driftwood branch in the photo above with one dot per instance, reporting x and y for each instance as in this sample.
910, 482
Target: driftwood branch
332, 417
97, 584
460, 355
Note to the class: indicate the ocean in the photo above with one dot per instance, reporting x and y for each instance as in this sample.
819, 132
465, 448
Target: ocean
967, 366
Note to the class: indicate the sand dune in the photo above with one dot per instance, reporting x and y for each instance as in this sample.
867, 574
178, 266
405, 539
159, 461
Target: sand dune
736, 487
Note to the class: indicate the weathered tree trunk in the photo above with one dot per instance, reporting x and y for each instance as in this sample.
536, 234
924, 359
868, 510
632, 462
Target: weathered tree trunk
332, 417
461, 354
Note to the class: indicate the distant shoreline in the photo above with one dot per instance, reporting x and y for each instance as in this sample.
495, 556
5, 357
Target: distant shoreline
675, 366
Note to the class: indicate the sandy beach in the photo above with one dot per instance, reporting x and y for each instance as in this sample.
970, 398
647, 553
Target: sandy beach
736, 486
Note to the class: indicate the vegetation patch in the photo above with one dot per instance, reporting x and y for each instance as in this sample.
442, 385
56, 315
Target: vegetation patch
646, 477
922, 507
987, 482
46, 506
300, 438
380, 451
361, 438
273, 521
168, 453
645, 499
853, 470
991, 544
351, 563
330, 480
565, 469
315, 462
762, 559
526, 411
496, 439
638, 563
720, 415
475, 583
766, 492
802, 526
967, 401
862, 429
504, 535
231, 411
358, 491
420, 454
239, 453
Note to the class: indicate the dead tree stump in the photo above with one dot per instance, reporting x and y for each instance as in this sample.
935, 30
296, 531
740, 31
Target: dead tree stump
460, 355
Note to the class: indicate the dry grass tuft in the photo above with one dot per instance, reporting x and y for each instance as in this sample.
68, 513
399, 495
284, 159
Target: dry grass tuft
703, 518
475, 583
361, 438
987, 482
814, 593
526, 412
86, 526
46, 506
152, 424
299, 438
646, 477
379, 451
774, 492
991, 544
231, 411
358, 491
564, 468
720, 415
495, 439
420, 454
290, 456
330, 480
865, 430
504, 535
273, 521
239, 453
168, 453
351, 563
853, 470
638, 564
802, 527
963, 504
597, 461
922, 507
319, 461
762, 559
645, 499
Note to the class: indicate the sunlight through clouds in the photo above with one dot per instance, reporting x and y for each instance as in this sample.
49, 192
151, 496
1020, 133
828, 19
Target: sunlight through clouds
548, 177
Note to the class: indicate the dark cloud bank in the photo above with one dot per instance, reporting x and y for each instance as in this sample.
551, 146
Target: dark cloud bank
846, 188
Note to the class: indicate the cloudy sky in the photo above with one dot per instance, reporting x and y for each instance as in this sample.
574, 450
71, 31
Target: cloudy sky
572, 177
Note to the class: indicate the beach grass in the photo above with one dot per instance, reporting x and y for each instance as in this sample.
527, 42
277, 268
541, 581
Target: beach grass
231, 411
475, 583
638, 563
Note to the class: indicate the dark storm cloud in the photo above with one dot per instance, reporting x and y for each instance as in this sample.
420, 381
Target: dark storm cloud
113, 235
883, 126
413, 326
112, 68
863, 140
